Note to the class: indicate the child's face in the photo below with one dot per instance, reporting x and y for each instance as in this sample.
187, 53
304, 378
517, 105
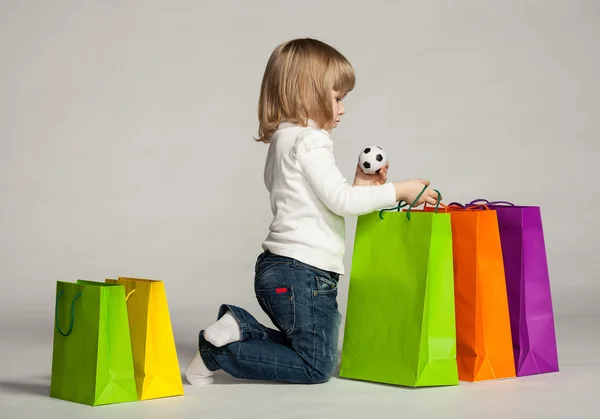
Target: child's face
338, 108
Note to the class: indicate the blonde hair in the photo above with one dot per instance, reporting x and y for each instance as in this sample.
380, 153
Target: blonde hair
297, 85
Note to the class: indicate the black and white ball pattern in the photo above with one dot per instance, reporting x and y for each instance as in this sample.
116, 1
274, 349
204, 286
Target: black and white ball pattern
372, 159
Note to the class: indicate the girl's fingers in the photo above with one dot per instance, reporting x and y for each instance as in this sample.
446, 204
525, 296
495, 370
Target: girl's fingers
434, 196
383, 173
429, 200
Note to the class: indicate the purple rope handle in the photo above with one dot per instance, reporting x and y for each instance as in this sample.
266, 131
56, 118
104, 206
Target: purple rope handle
491, 203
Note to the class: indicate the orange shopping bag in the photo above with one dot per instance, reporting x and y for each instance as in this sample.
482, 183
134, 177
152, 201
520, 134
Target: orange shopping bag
483, 334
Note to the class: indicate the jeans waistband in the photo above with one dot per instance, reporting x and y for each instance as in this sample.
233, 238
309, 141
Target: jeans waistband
267, 255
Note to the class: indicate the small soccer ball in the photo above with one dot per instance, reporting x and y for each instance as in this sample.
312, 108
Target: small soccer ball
371, 160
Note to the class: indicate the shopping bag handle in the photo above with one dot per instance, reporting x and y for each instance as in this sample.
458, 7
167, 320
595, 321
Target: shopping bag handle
129, 295
471, 206
402, 204
60, 294
479, 206
475, 201
450, 205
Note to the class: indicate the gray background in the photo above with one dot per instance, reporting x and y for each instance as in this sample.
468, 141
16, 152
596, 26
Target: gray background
126, 139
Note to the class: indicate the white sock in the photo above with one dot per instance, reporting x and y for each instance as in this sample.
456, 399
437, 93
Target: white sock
224, 331
197, 373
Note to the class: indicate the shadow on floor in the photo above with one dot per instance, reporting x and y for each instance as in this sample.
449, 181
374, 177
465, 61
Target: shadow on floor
222, 378
36, 389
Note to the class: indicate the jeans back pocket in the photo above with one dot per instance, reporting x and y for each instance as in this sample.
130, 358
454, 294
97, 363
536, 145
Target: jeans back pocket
280, 306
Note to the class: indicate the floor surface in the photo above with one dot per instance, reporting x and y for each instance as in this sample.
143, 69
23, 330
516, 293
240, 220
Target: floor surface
571, 393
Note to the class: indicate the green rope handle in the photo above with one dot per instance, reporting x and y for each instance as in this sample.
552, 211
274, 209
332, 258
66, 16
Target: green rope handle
60, 294
402, 204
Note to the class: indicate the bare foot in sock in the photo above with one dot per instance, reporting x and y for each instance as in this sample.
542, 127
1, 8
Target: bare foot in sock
224, 331
197, 373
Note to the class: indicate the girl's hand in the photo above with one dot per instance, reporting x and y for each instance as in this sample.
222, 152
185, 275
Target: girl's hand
409, 190
363, 179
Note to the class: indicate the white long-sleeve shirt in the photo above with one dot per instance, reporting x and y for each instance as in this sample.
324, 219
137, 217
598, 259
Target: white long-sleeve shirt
310, 198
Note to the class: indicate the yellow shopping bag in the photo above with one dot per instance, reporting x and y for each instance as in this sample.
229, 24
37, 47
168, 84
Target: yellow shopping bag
155, 360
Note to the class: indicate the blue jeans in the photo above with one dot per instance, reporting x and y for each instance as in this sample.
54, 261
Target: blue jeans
301, 302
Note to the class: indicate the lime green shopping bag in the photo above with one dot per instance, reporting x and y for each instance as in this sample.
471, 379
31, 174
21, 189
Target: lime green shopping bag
92, 362
400, 324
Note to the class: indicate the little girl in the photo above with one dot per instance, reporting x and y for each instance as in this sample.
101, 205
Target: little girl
296, 277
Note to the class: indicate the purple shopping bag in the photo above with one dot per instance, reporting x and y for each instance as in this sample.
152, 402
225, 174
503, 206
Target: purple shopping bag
527, 286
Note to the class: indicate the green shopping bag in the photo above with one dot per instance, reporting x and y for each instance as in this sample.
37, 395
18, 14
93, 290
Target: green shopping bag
400, 324
92, 362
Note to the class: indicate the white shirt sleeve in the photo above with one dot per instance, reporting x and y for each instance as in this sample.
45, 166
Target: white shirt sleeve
314, 153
